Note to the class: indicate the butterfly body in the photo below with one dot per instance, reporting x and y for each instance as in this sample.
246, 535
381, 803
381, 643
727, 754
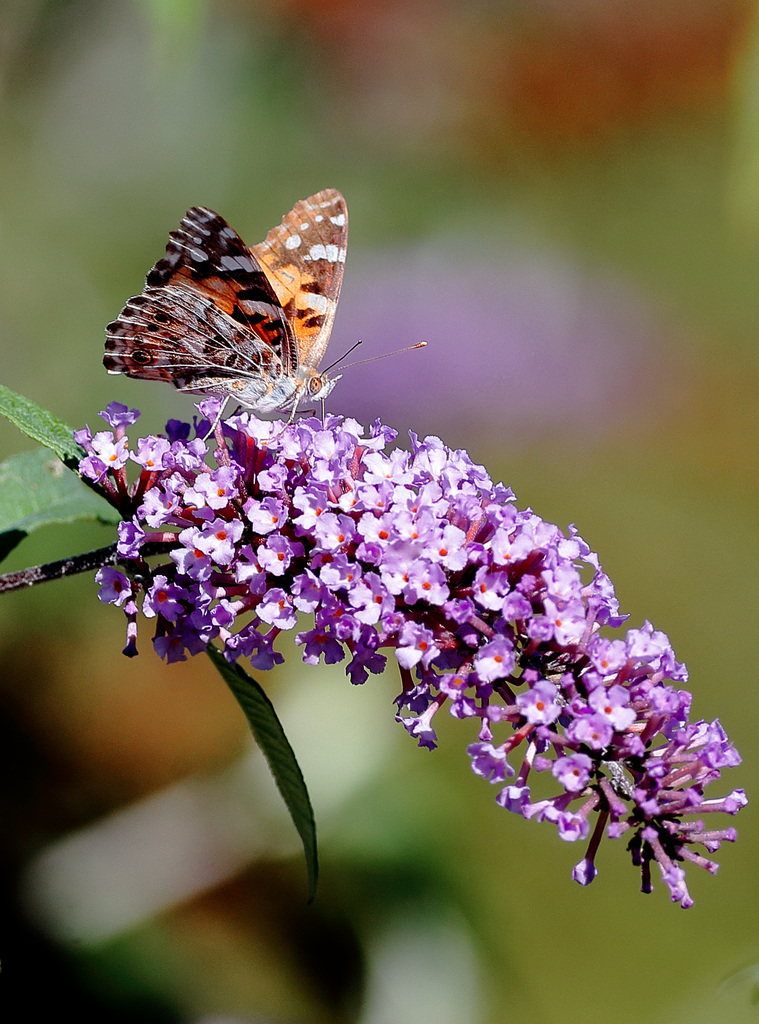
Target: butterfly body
251, 324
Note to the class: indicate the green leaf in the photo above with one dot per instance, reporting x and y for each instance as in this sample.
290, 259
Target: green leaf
270, 736
41, 425
36, 490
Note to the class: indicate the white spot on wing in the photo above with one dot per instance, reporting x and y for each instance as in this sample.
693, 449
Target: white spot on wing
319, 303
237, 263
331, 253
339, 219
292, 241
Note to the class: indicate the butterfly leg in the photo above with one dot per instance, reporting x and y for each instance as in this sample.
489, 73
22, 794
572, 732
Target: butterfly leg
217, 420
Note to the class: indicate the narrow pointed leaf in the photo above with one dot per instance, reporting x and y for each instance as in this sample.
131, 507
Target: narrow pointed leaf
270, 736
41, 425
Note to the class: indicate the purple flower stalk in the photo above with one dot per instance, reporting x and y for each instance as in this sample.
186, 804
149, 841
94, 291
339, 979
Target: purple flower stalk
488, 610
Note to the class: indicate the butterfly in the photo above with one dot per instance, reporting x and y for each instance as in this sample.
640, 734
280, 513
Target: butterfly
252, 324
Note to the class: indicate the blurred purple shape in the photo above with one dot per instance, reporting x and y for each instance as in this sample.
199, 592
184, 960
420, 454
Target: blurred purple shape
522, 343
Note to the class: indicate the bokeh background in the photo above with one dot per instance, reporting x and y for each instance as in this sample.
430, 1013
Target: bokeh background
562, 198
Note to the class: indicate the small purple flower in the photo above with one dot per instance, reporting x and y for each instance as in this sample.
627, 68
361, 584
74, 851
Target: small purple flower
311, 503
175, 646
568, 621
415, 644
489, 762
176, 430
213, 490
495, 659
276, 608
490, 589
449, 548
308, 592
110, 450
366, 658
646, 644
190, 560
420, 727
333, 531
612, 703
514, 798
426, 581
83, 437
510, 547
607, 656
93, 468
538, 704
131, 539
369, 599
159, 505
276, 554
572, 771
117, 415
266, 514
584, 871
151, 453
189, 457
218, 538
338, 572
375, 529
115, 588
571, 827
595, 731
258, 647
164, 598
318, 644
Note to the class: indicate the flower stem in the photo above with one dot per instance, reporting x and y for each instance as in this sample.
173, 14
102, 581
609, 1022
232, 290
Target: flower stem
71, 566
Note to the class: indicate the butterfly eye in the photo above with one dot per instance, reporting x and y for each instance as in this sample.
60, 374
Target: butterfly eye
315, 385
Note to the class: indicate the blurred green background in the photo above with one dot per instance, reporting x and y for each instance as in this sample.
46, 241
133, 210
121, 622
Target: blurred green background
562, 198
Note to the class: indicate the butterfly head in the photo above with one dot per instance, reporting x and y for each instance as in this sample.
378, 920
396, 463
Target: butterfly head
316, 385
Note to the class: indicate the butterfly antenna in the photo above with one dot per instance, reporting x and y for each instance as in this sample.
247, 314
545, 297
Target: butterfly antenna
343, 356
383, 355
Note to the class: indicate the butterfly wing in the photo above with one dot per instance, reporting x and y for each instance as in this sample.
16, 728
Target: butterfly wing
304, 258
207, 320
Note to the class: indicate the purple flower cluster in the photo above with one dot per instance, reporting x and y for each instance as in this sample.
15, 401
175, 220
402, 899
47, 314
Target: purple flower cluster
487, 609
